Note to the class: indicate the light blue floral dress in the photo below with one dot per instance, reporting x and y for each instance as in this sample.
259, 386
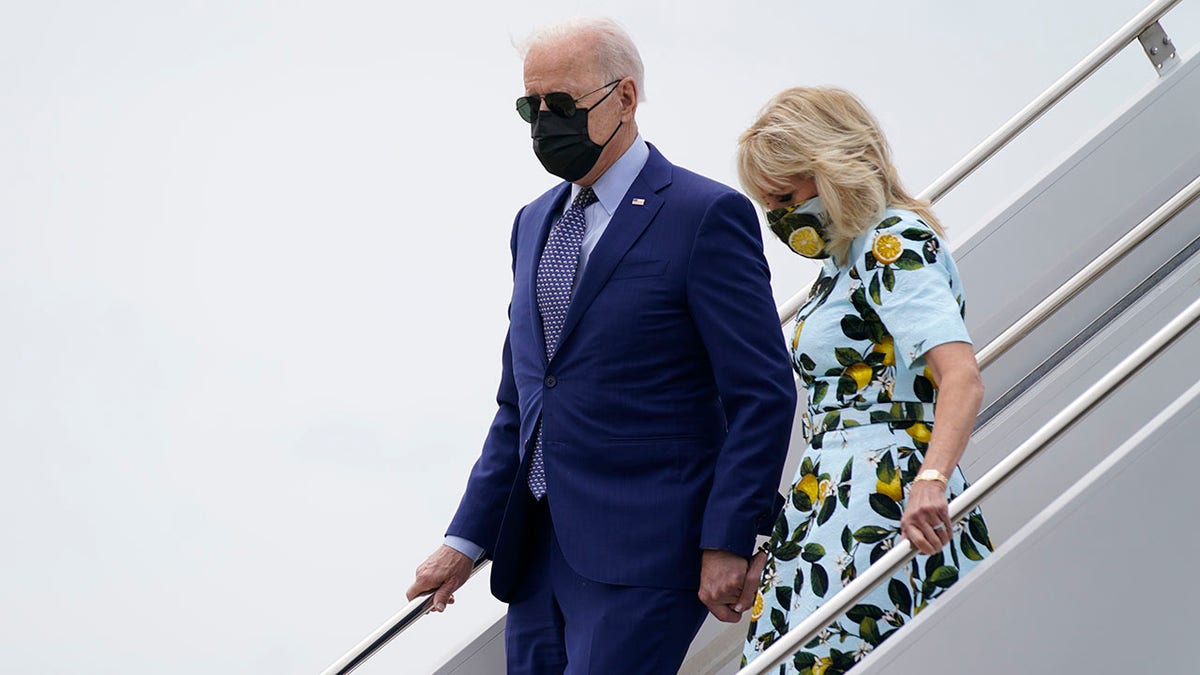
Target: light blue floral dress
858, 345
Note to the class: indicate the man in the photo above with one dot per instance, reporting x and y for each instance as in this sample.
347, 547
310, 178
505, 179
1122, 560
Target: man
645, 402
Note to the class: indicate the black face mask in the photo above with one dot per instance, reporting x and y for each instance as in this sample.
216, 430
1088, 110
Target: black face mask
563, 146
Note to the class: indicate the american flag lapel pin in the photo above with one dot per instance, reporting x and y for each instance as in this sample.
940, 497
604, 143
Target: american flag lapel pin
638, 201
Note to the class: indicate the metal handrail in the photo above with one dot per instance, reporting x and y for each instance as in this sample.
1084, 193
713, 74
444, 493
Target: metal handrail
420, 606
1028, 115
799, 635
1084, 277
415, 609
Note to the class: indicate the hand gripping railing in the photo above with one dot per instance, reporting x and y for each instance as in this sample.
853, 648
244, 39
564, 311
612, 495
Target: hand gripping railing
1028, 115
799, 635
415, 609
955, 175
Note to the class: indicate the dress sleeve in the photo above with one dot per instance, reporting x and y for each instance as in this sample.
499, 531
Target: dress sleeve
912, 283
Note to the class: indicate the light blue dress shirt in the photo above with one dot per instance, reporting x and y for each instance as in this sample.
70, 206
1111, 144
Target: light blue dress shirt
610, 189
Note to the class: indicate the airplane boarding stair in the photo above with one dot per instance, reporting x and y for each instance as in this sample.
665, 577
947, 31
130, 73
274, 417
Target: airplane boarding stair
1094, 534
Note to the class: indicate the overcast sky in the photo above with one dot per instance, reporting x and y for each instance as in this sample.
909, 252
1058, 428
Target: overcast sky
254, 271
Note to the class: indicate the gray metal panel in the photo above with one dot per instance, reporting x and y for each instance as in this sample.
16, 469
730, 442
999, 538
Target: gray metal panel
1101, 583
483, 655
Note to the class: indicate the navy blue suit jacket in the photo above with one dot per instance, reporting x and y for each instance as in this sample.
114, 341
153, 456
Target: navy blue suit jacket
668, 407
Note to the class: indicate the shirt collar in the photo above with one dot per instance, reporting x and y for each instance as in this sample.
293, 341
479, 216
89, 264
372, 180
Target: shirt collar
611, 186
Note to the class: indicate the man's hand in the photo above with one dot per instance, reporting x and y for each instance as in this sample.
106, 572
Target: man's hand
443, 572
728, 583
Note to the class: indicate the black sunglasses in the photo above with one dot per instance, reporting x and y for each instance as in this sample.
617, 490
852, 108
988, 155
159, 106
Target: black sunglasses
560, 103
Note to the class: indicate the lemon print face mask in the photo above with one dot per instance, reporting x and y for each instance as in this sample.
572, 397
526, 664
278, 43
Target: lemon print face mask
802, 227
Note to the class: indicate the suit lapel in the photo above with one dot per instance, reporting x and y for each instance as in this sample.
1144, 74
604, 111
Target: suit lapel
638, 207
542, 222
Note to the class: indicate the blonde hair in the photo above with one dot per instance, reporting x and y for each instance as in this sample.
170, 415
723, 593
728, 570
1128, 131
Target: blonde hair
826, 134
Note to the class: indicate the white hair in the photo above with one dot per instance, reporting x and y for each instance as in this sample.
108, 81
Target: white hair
616, 55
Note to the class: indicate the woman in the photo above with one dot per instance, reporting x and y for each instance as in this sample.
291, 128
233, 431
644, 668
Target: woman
878, 343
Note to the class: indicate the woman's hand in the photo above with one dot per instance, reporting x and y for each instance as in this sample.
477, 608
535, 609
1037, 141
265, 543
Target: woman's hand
926, 519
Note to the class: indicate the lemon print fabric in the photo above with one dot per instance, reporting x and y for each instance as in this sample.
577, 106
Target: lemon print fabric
861, 373
887, 347
806, 242
920, 432
802, 227
887, 248
858, 346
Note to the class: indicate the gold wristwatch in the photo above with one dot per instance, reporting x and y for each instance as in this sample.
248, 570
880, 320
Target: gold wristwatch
932, 474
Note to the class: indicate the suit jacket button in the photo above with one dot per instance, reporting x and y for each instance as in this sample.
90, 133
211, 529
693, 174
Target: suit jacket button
551, 381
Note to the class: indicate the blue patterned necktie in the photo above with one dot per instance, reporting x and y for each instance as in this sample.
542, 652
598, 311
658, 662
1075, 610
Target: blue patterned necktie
555, 281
